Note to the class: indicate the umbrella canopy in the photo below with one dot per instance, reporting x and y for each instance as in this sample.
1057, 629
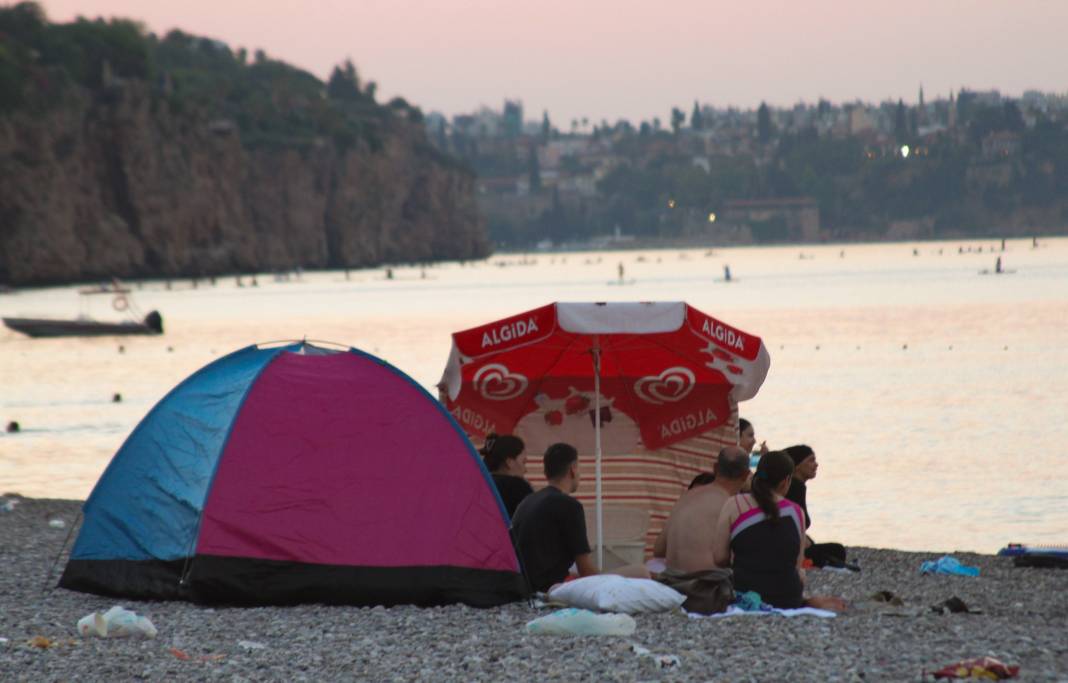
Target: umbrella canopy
604, 377
667, 373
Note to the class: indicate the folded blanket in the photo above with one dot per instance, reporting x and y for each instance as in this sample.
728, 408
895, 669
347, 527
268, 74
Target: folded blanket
733, 611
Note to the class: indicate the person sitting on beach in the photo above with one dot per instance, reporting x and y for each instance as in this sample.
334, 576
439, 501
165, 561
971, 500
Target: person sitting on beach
686, 539
805, 467
507, 464
747, 437
549, 526
760, 536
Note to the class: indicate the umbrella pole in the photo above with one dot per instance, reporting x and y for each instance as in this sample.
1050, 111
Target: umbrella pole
597, 448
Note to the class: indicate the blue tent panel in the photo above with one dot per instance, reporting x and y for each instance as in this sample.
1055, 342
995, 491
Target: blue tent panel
148, 503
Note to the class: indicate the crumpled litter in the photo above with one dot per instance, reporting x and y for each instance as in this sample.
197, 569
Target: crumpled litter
251, 645
186, 657
954, 605
117, 622
888, 598
659, 661
582, 622
982, 667
947, 564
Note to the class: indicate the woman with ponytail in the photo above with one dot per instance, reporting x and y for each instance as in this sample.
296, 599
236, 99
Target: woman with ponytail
505, 460
763, 532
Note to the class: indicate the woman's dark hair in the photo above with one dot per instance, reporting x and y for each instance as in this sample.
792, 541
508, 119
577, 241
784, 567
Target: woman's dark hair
743, 424
703, 479
799, 453
499, 449
772, 469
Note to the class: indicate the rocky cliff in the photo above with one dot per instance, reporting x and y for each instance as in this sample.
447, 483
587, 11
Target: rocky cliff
114, 182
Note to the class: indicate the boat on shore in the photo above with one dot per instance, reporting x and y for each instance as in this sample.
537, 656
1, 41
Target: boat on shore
85, 327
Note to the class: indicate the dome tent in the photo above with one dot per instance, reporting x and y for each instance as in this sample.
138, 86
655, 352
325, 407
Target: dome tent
297, 474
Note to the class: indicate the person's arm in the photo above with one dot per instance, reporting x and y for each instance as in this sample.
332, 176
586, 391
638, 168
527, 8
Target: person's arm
801, 550
721, 542
578, 544
584, 564
660, 547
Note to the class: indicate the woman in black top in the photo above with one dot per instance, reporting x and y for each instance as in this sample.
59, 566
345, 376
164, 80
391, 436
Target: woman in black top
506, 461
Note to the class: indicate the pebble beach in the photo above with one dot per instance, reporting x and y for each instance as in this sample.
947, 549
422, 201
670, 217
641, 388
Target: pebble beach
1023, 621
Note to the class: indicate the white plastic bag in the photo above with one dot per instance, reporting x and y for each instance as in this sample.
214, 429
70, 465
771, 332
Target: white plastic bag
117, 622
582, 622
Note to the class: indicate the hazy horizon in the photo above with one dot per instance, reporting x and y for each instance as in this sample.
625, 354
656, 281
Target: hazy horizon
612, 60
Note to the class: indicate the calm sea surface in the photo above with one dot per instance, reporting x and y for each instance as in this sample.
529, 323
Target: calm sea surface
936, 397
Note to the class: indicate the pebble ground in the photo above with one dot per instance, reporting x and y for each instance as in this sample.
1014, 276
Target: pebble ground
1024, 621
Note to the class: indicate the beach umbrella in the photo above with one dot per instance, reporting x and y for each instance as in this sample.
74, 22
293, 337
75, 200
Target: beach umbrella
604, 377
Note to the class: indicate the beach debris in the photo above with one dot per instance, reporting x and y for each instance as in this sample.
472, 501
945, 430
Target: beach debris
57, 524
947, 564
7, 504
982, 667
186, 657
582, 622
117, 622
41, 642
251, 645
750, 601
659, 661
887, 597
954, 605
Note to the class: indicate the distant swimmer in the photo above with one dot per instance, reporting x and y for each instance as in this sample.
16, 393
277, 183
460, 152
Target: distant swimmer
13, 427
997, 265
620, 271
915, 252
726, 273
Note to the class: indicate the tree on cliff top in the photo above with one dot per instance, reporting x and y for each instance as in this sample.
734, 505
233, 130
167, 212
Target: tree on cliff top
764, 127
344, 84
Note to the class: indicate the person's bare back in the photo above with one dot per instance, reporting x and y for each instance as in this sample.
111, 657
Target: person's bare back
691, 527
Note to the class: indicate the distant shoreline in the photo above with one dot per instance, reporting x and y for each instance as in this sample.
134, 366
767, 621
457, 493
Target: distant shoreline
695, 243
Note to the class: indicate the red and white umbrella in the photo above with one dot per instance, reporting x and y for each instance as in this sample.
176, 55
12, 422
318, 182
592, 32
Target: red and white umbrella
614, 377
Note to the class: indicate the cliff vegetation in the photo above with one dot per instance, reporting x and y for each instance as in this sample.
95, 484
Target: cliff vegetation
127, 154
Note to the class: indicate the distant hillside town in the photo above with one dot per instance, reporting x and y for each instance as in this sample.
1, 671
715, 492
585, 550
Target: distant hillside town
970, 163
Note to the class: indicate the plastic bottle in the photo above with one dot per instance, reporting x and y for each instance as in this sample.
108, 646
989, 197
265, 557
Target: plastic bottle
582, 622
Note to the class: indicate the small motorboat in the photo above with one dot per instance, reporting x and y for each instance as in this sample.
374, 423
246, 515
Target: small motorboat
85, 327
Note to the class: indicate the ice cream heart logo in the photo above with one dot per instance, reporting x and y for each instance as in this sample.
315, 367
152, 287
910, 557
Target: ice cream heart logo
669, 386
496, 383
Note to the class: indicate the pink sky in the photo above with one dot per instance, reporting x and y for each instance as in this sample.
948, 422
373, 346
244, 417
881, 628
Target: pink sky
607, 59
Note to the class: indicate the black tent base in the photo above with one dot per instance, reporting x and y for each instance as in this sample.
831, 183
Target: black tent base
215, 580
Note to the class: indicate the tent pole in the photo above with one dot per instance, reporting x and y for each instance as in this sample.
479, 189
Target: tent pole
597, 447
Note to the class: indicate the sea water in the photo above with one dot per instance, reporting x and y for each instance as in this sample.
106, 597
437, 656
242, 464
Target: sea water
935, 396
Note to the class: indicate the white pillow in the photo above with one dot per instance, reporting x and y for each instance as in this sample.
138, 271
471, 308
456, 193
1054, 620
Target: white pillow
611, 593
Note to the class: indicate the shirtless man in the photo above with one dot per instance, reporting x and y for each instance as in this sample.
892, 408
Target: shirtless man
689, 530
